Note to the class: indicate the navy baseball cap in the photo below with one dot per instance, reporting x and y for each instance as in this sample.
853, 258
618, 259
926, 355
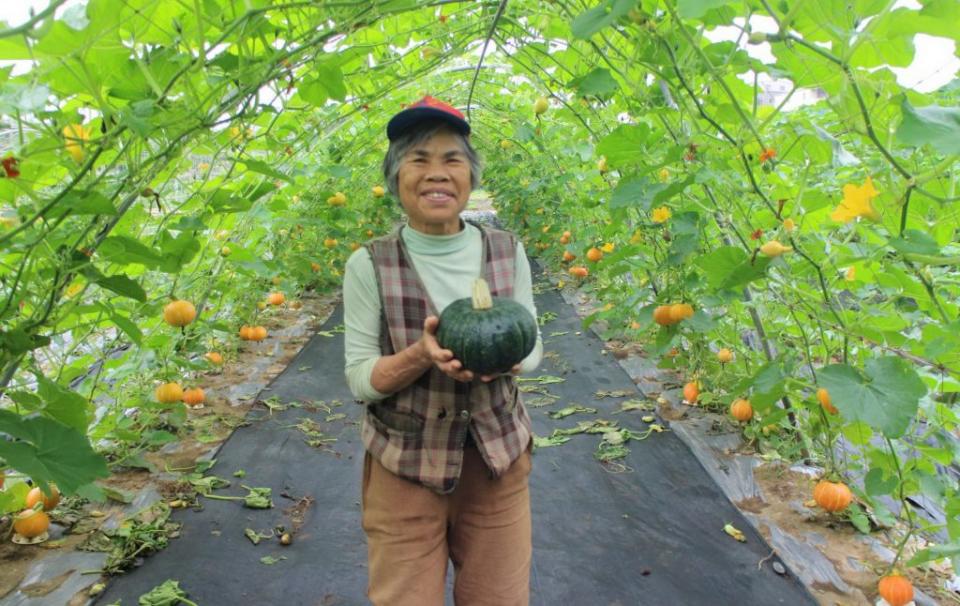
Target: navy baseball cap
427, 108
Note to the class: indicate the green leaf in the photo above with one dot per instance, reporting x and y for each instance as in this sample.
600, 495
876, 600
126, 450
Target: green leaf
598, 82
18, 341
626, 145
177, 251
83, 203
592, 21
62, 404
49, 451
694, 9
729, 267
126, 250
934, 125
876, 484
228, 201
916, 241
128, 327
885, 396
936, 552
265, 169
122, 285
635, 191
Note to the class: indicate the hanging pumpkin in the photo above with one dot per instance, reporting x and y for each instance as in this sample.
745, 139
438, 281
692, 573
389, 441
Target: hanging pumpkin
276, 298
179, 313
487, 334
214, 357
258, 333
691, 392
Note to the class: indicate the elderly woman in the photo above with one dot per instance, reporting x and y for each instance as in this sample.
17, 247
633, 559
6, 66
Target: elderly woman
447, 452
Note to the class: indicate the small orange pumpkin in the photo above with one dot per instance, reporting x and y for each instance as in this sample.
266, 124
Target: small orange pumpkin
314, 266
741, 410
594, 254
169, 393
245, 333
579, 271
725, 355
36, 495
214, 357
691, 392
680, 312
568, 256
179, 313
194, 396
824, 397
30, 523
276, 298
258, 333
896, 589
662, 316
832, 496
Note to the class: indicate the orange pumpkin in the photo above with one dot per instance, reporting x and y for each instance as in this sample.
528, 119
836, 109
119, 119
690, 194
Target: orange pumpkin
330, 242
564, 240
36, 495
662, 316
896, 589
680, 312
245, 333
725, 355
194, 396
741, 410
579, 271
568, 256
258, 333
179, 313
214, 357
567, 235
824, 397
594, 254
169, 393
832, 496
276, 298
30, 524
691, 392
314, 266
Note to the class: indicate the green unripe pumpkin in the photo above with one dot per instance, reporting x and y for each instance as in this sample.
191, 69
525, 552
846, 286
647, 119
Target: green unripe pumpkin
487, 334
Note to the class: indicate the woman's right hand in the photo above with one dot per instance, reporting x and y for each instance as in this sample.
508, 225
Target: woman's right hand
441, 358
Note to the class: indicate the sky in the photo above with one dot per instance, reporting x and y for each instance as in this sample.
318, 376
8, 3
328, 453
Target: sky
934, 64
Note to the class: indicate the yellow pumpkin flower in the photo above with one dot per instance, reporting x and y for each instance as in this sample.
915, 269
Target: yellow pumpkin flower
851, 274
74, 289
608, 247
661, 215
76, 135
789, 225
664, 174
856, 203
637, 237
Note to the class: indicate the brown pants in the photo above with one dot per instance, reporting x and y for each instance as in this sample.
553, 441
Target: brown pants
483, 527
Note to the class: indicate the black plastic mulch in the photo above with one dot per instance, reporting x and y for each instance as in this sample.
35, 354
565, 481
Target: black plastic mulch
648, 531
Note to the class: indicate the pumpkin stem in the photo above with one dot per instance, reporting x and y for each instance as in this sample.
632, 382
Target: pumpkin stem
481, 294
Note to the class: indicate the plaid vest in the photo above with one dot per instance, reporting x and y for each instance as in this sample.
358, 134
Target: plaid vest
418, 433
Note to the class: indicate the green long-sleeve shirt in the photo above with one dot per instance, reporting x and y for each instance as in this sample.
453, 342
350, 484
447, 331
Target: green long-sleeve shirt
447, 265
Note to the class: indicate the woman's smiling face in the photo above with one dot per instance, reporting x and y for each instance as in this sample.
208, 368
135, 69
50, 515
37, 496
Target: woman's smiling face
434, 183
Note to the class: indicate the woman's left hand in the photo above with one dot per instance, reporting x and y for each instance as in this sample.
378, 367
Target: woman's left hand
513, 371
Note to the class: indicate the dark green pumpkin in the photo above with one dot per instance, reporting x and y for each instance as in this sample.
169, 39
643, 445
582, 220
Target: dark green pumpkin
487, 334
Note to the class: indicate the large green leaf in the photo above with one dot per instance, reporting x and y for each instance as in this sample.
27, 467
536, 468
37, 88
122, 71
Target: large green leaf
62, 404
694, 9
885, 395
595, 19
934, 125
626, 145
730, 267
122, 285
126, 250
49, 451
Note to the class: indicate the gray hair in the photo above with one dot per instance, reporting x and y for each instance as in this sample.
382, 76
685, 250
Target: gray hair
407, 141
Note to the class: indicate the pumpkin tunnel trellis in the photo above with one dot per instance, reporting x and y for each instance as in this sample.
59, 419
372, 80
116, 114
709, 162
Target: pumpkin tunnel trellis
691, 70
